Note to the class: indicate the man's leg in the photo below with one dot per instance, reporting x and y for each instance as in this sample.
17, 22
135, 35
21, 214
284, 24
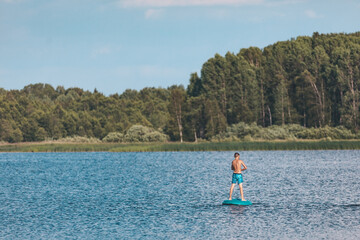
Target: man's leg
231, 190
241, 192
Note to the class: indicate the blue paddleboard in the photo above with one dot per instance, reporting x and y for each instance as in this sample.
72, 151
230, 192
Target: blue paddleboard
237, 202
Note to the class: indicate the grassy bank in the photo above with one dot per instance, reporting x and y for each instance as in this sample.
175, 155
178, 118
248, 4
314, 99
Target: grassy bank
203, 146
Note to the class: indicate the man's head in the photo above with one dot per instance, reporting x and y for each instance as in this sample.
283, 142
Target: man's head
237, 155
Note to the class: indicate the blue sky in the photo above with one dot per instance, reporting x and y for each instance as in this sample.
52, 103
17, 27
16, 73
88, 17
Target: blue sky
114, 45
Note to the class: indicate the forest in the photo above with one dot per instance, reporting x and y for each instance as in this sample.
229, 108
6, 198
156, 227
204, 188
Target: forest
306, 83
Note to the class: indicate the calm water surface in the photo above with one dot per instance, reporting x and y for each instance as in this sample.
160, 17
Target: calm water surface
178, 195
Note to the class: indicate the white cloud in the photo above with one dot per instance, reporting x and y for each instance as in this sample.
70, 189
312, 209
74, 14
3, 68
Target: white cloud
104, 50
10, 1
283, 2
185, 3
153, 13
312, 14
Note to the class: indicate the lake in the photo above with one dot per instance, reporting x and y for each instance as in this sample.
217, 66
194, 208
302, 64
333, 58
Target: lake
178, 195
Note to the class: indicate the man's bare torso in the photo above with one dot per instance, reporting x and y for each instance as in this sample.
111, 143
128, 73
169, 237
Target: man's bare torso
236, 166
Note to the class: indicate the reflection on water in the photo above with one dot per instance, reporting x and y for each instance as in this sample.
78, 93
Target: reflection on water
237, 209
295, 195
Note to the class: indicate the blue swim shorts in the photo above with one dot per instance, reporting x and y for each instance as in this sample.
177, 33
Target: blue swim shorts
237, 177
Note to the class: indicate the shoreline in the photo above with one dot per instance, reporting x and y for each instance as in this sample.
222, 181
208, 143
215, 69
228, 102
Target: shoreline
177, 146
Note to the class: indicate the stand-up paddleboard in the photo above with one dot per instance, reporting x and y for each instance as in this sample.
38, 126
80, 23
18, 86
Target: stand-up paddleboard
237, 202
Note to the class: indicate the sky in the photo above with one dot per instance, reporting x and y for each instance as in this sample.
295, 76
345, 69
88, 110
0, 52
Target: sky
114, 45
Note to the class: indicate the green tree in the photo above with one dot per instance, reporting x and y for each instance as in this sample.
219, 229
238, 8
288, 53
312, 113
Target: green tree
176, 107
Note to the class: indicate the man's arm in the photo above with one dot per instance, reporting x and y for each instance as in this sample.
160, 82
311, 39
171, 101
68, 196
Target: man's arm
242, 163
232, 166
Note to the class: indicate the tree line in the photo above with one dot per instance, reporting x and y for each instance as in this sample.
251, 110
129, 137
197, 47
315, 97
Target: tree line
310, 81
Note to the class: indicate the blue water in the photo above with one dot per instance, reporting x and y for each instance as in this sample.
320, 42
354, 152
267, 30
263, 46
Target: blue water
178, 195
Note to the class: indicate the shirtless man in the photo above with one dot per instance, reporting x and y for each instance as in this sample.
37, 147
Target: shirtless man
237, 176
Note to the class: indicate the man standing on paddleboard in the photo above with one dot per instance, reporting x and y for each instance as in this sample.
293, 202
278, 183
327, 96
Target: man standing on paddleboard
237, 177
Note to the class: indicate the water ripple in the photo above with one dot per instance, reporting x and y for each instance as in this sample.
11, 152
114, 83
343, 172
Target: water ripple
178, 195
